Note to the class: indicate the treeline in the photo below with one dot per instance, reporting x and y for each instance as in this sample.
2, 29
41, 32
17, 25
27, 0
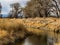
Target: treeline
42, 8
35, 8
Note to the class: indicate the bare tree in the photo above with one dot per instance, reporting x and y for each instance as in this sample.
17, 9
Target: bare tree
15, 7
41, 8
57, 8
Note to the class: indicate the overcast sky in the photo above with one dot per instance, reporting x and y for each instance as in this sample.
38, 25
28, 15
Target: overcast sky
6, 4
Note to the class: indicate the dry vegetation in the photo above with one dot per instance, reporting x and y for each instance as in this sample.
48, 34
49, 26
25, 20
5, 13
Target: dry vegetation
11, 29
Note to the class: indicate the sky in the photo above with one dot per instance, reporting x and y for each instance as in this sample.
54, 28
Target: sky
6, 4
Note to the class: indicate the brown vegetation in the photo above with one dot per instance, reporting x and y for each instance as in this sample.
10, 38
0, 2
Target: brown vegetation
11, 29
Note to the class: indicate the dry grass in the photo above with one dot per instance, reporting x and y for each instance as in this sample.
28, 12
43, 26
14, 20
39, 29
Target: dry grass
10, 24
35, 25
3, 33
10, 29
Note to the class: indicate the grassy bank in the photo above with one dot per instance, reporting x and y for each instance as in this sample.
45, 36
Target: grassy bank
11, 29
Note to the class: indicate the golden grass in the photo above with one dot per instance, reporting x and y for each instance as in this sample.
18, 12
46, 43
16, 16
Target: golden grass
3, 33
35, 31
15, 24
10, 24
29, 25
11, 29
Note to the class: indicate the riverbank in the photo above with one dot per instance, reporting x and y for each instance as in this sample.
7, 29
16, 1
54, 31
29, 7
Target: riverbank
12, 29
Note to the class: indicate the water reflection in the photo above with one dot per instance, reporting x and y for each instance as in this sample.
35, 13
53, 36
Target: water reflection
34, 40
53, 39
50, 39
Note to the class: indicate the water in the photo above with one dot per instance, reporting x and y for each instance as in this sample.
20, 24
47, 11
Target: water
50, 39
53, 39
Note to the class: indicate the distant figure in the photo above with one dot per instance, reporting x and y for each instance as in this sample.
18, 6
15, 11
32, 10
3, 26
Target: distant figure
0, 10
